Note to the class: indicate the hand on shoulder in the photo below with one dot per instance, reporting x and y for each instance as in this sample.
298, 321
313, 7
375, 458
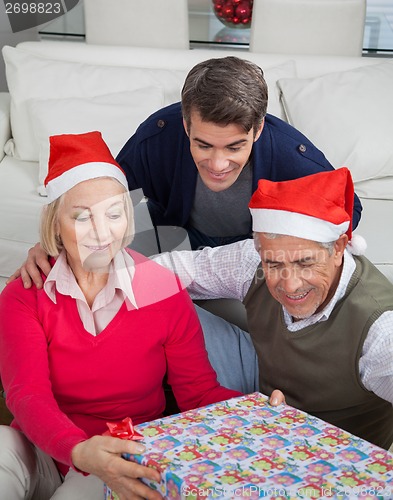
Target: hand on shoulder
30, 271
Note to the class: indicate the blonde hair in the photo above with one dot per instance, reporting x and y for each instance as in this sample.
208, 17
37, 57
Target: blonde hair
49, 237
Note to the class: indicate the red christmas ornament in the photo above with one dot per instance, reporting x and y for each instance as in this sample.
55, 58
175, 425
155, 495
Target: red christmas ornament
218, 5
234, 13
228, 11
243, 11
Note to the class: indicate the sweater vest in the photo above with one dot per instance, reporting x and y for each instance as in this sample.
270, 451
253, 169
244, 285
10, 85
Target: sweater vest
317, 368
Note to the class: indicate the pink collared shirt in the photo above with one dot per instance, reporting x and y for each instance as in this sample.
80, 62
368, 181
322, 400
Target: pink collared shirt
107, 302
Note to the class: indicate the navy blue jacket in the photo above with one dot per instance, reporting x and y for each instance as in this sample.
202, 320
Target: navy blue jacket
157, 159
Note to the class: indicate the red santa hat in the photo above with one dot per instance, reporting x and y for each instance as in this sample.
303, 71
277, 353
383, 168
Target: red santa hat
79, 157
317, 207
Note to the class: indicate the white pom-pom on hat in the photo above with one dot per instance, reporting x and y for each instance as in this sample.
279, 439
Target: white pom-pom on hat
357, 245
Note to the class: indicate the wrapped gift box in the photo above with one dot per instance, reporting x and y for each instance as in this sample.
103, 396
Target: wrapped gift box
245, 448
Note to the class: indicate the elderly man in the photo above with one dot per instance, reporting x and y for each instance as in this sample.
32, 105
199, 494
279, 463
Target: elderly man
320, 318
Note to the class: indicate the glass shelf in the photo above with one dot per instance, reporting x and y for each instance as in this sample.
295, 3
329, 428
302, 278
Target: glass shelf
378, 34
206, 30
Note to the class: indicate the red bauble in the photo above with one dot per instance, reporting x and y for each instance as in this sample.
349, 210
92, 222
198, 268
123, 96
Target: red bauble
218, 5
243, 10
234, 13
228, 11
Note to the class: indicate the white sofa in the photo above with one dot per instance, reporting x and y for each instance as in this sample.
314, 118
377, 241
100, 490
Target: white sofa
344, 104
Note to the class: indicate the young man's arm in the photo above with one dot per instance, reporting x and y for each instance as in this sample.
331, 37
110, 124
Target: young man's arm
211, 273
37, 261
220, 272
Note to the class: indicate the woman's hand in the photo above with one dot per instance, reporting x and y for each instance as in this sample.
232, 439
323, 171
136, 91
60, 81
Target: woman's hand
276, 398
101, 456
30, 271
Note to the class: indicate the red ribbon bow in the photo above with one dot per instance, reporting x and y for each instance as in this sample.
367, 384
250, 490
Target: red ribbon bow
123, 430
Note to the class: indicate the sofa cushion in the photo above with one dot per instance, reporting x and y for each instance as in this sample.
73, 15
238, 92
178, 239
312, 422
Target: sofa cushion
348, 115
272, 76
116, 116
30, 76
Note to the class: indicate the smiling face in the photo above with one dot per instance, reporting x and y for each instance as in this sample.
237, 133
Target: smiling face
301, 274
220, 152
92, 223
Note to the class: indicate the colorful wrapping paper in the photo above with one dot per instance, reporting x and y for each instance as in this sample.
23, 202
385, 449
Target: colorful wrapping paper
245, 448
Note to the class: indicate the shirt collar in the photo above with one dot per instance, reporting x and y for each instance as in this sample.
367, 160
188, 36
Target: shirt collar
349, 266
121, 274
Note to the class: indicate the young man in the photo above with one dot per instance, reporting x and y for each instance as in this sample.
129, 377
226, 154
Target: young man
200, 160
319, 316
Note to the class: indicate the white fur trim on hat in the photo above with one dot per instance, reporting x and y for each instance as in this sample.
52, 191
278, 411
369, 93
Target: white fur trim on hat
60, 185
266, 220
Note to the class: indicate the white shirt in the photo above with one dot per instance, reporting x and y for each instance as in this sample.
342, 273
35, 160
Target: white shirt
107, 302
228, 271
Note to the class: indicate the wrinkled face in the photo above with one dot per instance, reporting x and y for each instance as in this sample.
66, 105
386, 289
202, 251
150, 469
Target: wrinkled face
300, 274
92, 223
219, 152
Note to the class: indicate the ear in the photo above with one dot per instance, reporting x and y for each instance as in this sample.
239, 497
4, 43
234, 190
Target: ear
185, 127
339, 247
259, 131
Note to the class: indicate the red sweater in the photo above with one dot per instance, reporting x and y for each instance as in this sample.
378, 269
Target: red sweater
63, 384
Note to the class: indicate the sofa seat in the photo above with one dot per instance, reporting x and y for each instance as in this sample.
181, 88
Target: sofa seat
20, 207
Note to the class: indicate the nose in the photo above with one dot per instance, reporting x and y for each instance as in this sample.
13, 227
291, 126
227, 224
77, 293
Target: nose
101, 229
218, 161
291, 280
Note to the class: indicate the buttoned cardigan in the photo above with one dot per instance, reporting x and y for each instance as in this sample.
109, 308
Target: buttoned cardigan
157, 158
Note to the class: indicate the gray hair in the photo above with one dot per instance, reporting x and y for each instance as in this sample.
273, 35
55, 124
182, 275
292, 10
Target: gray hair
329, 245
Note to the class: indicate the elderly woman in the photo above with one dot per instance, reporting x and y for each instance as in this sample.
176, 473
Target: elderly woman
94, 344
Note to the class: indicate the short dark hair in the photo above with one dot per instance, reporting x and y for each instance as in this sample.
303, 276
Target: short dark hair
226, 90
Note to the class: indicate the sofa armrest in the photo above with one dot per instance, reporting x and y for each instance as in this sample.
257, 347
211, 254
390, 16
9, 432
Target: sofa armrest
5, 126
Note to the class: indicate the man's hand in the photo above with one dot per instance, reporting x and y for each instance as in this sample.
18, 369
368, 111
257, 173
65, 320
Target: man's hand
30, 271
101, 456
